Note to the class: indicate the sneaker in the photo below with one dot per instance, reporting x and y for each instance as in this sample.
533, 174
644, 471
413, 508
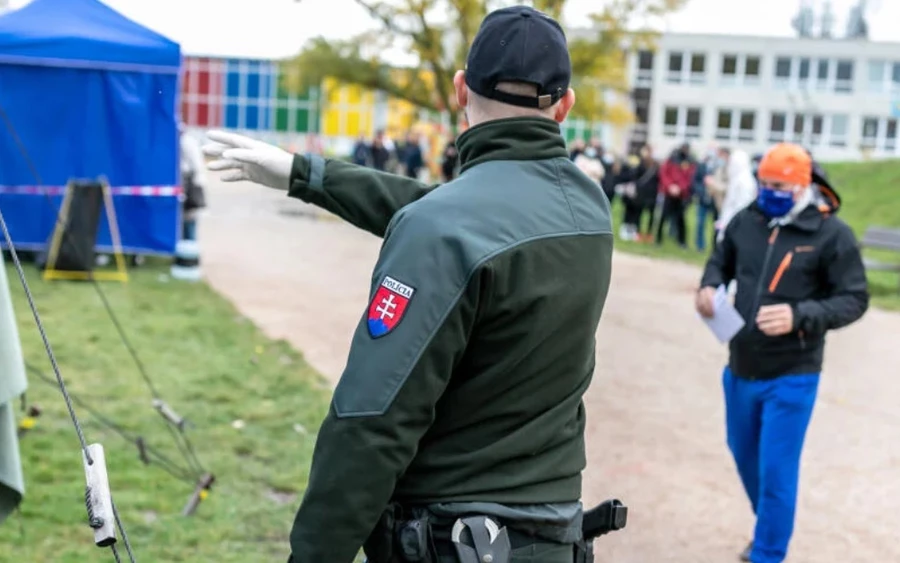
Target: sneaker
745, 555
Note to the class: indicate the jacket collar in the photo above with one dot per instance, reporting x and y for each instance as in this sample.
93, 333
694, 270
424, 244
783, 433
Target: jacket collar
515, 138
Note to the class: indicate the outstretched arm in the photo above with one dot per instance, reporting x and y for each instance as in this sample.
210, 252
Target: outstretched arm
361, 196
364, 197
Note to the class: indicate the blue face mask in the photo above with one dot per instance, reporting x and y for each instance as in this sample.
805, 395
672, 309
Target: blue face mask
774, 203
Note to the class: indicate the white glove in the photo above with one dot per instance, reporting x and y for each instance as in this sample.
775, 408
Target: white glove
247, 159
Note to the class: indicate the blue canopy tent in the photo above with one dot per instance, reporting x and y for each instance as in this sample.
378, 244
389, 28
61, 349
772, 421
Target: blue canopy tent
88, 93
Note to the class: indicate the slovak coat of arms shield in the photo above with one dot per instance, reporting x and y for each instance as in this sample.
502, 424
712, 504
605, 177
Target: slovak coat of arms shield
388, 306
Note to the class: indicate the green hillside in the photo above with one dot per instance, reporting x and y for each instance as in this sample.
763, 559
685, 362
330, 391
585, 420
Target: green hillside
870, 192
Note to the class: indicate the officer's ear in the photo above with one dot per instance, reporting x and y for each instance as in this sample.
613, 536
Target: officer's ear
564, 105
462, 91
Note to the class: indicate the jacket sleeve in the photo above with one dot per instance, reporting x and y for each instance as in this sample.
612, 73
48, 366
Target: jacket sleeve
846, 288
364, 197
665, 177
721, 265
687, 189
385, 400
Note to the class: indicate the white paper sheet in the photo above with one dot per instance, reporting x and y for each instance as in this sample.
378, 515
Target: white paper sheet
726, 322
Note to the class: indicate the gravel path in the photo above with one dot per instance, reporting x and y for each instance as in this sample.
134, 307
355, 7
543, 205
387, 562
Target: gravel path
655, 413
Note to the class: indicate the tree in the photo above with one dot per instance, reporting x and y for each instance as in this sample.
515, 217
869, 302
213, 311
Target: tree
439, 33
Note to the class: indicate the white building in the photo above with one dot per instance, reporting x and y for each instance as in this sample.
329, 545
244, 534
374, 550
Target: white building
838, 97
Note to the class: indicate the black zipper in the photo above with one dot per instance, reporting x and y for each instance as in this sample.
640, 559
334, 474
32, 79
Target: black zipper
762, 274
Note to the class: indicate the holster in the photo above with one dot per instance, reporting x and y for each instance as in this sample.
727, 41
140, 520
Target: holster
401, 537
379, 546
584, 551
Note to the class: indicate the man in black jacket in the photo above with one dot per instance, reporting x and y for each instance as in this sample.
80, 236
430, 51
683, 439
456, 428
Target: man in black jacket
799, 274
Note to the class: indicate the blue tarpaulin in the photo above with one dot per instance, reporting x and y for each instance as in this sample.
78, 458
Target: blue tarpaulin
88, 93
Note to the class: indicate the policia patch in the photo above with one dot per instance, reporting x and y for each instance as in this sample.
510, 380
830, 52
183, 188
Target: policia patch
388, 306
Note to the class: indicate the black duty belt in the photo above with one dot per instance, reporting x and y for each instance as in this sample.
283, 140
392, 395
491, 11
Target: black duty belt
405, 535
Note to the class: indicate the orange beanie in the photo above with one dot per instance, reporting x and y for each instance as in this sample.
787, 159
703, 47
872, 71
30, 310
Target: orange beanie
788, 163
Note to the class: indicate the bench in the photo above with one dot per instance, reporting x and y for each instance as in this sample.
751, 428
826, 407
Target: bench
881, 238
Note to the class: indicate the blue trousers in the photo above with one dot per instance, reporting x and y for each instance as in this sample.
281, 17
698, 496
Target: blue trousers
189, 229
766, 425
704, 211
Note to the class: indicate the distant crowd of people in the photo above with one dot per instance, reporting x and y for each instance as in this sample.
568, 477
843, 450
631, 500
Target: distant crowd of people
407, 158
657, 195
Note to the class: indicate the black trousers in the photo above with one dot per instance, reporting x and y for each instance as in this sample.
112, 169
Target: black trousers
632, 212
646, 210
673, 210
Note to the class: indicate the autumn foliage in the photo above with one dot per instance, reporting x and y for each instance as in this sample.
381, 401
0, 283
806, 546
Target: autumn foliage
439, 33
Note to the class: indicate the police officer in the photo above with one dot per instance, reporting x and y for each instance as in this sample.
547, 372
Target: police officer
456, 431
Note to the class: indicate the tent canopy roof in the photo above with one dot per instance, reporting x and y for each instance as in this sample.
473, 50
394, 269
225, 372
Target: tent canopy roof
84, 33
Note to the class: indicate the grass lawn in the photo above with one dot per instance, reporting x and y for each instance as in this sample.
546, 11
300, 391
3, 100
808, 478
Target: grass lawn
211, 365
870, 195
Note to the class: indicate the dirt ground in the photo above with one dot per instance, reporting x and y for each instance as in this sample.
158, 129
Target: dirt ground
655, 413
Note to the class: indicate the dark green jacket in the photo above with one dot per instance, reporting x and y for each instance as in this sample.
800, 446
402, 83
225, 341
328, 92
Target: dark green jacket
498, 280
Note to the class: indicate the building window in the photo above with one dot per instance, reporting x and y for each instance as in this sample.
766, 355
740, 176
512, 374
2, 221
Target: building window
740, 69
877, 75
818, 127
869, 132
682, 122
642, 113
736, 125
698, 69
670, 122
676, 63
644, 75
890, 136
883, 77
804, 72
729, 65
844, 82
799, 129
723, 125
879, 134
782, 72
822, 74
747, 124
777, 126
645, 60
729, 70
751, 70
838, 133
692, 131
687, 68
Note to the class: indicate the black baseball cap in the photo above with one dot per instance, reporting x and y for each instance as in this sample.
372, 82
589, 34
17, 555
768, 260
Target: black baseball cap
520, 44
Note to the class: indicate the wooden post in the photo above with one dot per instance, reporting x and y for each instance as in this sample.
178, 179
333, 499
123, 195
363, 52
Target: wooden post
97, 497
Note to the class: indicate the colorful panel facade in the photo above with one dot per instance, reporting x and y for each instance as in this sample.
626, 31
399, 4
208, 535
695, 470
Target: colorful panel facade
202, 92
244, 94
248, 94
401, 116
347, 111
580, 129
